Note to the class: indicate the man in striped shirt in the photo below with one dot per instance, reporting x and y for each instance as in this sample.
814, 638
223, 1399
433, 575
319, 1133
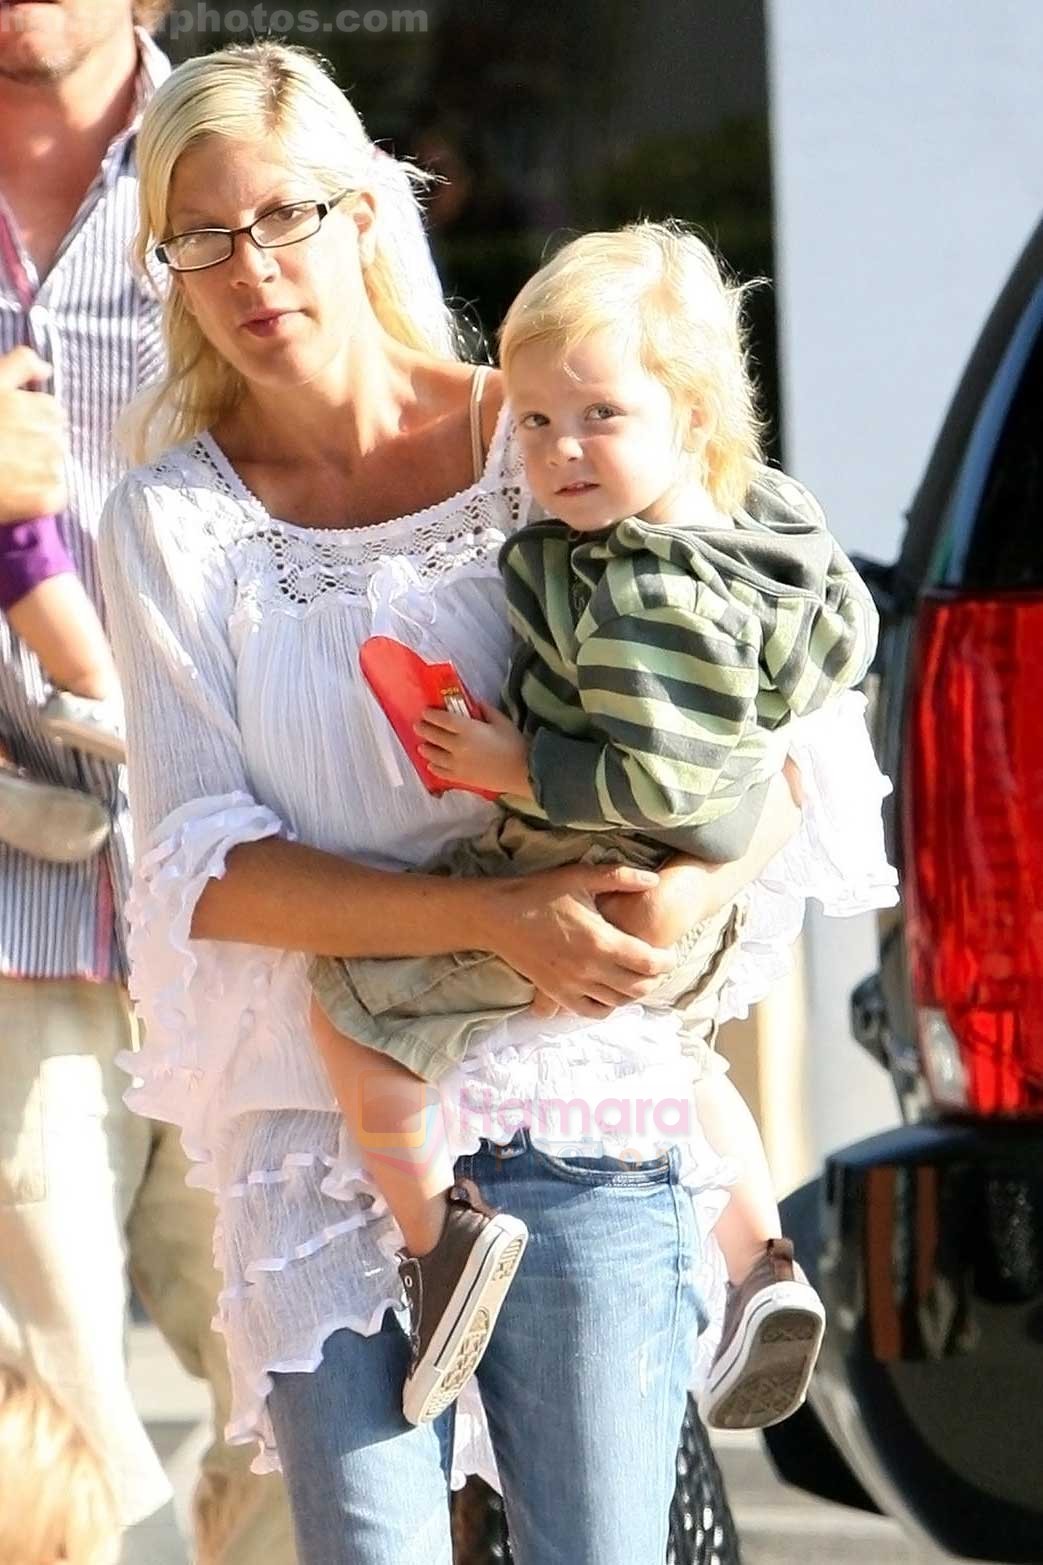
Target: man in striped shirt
85, 1186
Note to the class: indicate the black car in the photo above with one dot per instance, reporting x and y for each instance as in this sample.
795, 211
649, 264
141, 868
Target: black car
928, 1403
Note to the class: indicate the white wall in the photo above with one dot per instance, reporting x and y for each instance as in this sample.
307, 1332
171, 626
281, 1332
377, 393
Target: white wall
908, 156
908, 166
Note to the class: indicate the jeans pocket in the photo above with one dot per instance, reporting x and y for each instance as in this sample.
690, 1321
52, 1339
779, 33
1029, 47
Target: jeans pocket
610, 1172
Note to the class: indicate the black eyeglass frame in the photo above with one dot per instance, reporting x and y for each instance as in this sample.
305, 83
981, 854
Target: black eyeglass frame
322, 208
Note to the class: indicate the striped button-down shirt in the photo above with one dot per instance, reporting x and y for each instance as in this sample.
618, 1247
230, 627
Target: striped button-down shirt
99, 329
656, 667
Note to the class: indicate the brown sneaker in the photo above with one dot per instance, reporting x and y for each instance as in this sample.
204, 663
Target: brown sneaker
773, 1325
454, 1295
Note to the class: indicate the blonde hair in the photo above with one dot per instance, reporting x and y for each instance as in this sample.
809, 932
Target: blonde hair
270, 93
55, 1501
658, 287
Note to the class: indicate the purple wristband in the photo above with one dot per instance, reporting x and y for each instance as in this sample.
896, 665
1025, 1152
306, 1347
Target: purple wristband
30, 552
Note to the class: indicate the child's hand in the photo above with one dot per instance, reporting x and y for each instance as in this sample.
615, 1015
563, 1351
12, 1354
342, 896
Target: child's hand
492, 755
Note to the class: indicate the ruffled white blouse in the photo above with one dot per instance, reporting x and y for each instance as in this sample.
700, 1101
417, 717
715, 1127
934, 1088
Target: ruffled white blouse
237, 638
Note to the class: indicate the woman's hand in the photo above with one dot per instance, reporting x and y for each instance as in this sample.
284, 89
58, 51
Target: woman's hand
549, 928
660, 917
488, 753
690, 891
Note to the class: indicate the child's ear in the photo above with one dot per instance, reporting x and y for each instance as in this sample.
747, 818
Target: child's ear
696, 429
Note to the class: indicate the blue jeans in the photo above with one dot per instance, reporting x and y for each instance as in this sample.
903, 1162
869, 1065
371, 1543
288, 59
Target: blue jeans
583, 1384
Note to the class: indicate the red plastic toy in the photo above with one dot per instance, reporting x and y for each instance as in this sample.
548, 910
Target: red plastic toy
405, 685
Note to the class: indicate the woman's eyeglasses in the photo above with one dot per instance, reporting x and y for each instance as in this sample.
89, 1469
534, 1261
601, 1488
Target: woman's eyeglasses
285, 225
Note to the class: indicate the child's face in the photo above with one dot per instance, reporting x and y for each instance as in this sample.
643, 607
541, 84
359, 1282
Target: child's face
599, 435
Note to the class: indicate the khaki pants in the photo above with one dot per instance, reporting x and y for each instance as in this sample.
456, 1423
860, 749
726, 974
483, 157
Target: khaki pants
88, 1191
426, 1012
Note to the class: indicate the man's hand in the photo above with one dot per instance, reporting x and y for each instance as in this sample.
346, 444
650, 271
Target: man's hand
490, 754
32, 441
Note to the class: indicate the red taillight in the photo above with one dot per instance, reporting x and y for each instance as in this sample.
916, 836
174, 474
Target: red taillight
973, 849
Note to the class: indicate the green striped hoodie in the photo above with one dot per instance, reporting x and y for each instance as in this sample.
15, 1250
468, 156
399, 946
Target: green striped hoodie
655, 667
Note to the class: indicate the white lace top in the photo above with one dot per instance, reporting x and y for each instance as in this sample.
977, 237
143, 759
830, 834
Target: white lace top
237, 638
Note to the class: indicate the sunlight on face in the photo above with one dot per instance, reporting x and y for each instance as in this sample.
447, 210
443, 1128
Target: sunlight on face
47, 42
598, 433
280, 316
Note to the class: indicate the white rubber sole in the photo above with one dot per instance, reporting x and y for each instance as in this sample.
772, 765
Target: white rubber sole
456, 1348
48, 822
763, 1375
90, 740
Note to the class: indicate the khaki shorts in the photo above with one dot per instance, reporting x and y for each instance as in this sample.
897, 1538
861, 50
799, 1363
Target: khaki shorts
88, 1189
427, 1012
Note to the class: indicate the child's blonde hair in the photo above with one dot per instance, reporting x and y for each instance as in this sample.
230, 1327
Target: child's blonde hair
659, 288
280, 97
55, 1501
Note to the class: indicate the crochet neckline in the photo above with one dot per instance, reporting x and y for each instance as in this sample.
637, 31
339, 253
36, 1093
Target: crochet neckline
214, 457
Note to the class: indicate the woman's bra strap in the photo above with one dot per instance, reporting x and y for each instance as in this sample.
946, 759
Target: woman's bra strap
477, 448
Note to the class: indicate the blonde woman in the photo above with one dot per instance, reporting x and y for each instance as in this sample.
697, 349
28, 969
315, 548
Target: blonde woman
56, 1504
317, 466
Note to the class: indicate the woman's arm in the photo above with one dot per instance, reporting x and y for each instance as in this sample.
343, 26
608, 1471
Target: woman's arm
547, 926
690, 891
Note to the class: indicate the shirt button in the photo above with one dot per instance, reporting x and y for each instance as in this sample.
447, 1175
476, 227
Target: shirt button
39, 329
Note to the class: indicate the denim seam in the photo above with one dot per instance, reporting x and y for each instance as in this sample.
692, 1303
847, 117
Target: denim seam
683, 1267
605, 1179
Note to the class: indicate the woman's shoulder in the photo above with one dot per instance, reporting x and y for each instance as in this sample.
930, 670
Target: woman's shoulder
179, 470
504, 470
184, 489
170, 515
492, 405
